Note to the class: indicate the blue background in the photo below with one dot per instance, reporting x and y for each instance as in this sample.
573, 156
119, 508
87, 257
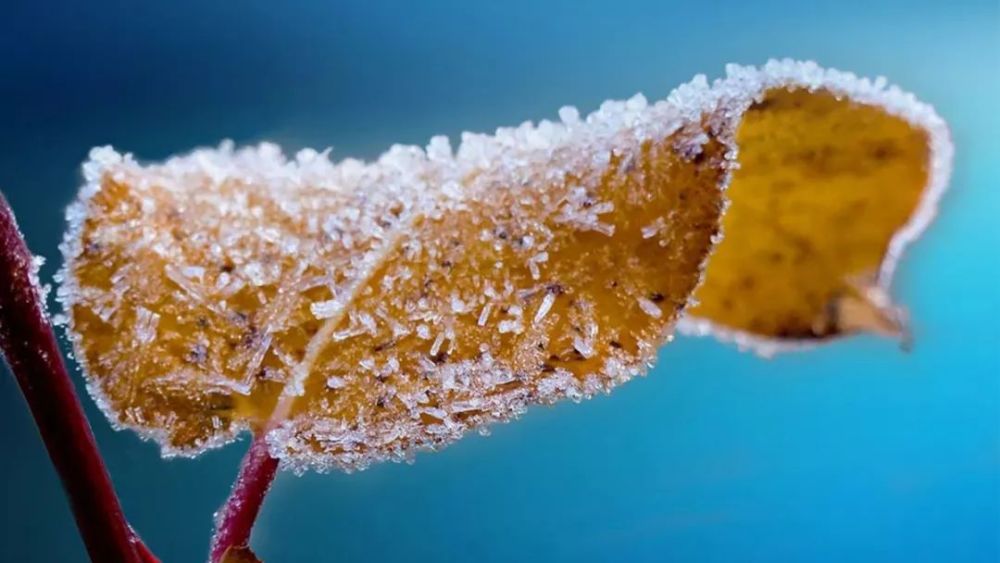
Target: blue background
853, 451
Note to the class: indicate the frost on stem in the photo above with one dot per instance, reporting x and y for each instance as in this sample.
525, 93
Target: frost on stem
395, 305
235, 520
28, 346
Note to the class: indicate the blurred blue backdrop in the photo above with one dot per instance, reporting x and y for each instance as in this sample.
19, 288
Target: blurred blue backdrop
853, 451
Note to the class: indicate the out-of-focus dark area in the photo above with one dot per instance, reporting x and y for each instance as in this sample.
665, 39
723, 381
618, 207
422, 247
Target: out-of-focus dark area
856, 450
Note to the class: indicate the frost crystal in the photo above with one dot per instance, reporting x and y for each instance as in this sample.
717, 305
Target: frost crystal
654, 228
584, 347
544, 307
324, 309
649, 308
145, 325
484, 315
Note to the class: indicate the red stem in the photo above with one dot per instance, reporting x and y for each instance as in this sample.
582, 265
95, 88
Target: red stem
30, 347
235, 519
145, 555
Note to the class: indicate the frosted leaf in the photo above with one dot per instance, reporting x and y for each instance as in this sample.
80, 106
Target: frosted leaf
395, 305
365, 319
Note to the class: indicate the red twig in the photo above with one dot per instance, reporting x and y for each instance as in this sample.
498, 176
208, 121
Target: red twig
235, 519
31, 351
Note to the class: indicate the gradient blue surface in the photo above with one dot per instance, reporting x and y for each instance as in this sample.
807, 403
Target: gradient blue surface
856, 450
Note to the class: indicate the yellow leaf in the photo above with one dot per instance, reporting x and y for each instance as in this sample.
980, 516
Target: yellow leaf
359, 312
369, 310
836, 176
